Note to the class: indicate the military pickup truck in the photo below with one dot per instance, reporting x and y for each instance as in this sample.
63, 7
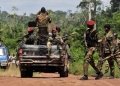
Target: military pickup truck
35, 58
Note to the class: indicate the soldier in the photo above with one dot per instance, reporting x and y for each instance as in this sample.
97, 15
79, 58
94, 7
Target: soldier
109, 48
116, 53
117, 50
29, 37
55, 39
67, 47
42, 20
91, 43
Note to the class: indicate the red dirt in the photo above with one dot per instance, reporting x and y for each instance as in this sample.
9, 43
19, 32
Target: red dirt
52, 79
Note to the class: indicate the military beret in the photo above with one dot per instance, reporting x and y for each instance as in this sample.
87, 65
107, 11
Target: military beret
90, 22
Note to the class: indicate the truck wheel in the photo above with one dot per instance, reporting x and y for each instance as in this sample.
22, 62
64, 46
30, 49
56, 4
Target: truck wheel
64, 73
30, 73
23, 74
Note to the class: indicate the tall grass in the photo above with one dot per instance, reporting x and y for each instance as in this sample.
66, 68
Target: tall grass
12, 71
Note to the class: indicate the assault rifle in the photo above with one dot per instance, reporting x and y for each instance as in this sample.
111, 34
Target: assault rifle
118, 53
22, 38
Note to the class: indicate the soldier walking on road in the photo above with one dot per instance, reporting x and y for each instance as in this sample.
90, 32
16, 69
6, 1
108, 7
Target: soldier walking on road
91, 43
117, 49
109, 48
116, 53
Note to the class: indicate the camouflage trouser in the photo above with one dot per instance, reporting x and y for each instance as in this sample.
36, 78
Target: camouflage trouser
49, 47
68, 50
89, 60
111, 65
108, 64
100, 63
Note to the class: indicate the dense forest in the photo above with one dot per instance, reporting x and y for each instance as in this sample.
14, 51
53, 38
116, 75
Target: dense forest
13, 26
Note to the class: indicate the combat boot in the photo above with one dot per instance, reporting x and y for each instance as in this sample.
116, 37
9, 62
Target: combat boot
111, 77
85, 77
99, 75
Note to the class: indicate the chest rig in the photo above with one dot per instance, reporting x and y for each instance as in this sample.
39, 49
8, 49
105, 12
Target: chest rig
91, 38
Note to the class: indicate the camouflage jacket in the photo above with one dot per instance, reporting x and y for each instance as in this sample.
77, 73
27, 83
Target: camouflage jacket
56, 40
117, 44
43, 19
108, 42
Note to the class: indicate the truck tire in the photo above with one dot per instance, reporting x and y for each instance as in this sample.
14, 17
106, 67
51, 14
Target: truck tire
30, 73
27, 73
64, 73
23, 74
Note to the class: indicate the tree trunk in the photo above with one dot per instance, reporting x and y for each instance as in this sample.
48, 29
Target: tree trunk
95, 5
89, 10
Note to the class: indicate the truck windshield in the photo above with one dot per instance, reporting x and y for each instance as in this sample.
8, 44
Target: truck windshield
2, 51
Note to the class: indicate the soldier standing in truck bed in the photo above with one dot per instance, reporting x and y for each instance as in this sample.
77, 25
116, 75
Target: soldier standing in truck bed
42, 20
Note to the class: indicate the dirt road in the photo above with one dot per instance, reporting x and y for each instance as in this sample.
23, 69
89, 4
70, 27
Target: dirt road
45, 79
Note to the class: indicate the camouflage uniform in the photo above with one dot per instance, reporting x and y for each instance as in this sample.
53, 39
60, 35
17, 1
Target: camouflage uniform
108, 43
92, 41
28, 38
55, 40
90, 49
66, 46
116, 51
42, 20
